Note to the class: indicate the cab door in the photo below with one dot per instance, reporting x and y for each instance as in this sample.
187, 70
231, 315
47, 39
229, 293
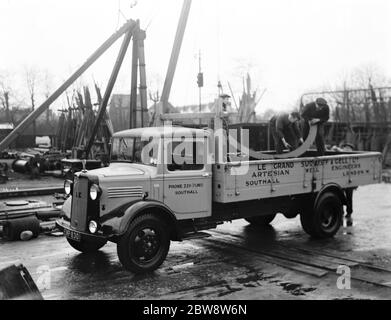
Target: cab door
188, 179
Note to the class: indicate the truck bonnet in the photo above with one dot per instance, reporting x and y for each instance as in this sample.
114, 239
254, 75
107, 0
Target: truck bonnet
120, 169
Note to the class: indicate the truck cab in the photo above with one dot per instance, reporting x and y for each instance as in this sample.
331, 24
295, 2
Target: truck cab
159, 176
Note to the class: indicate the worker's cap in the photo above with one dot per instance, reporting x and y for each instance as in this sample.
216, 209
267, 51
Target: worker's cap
321, 102
225, 96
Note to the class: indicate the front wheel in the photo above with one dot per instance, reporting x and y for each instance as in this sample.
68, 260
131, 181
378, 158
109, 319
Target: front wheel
261, 221
87, 246
325, 219
144, 247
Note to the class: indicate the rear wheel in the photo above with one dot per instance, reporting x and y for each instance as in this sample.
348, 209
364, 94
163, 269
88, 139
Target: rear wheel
144, 247
86, 246
325, 219
261, 221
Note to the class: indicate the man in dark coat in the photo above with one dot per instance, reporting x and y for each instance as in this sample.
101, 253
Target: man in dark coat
317, 112
285, 131
34, 167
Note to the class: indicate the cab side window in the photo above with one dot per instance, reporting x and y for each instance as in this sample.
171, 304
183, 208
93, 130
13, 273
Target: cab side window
188, 156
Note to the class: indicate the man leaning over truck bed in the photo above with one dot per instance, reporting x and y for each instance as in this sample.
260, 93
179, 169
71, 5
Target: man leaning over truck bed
317, 112
285, 131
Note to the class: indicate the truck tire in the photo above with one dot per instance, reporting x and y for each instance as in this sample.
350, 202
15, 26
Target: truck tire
144, 246
261, 221
87, 246
325, 219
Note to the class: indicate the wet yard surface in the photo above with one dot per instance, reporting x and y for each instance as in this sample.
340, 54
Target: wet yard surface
237, 262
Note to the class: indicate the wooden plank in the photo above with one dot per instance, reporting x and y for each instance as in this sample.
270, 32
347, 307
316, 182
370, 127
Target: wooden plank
296, 266
291, 259
273, 250
301, 254
308, 259
317, 272
186, 116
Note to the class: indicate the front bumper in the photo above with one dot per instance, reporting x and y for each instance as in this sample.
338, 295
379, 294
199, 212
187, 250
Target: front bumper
65, 227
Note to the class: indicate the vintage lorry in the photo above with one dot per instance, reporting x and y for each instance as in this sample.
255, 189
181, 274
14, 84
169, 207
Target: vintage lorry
143, 205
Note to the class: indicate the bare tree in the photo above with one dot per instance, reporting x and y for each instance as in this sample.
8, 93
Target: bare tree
155, 85
47, 88
9, 100
32, 79
363, 74
5, 99
360, 99
359, 96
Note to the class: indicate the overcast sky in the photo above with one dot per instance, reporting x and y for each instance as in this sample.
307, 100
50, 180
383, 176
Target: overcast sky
289, 46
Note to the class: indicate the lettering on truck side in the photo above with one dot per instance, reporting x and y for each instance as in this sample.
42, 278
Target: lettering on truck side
186, 188
282, 172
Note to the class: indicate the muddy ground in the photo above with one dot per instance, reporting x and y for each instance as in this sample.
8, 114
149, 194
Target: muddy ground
237, 262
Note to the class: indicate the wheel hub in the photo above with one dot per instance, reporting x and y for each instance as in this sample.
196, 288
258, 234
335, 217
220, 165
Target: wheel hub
328, 218
146, 244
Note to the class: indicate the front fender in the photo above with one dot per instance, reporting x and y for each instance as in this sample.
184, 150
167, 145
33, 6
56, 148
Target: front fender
121, 221
142, 206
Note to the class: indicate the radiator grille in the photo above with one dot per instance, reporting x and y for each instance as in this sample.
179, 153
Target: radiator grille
79, 204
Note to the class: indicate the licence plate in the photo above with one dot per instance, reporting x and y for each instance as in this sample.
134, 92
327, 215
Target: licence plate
73, 235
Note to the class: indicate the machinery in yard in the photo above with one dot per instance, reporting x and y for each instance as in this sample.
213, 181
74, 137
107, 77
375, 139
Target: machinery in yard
167, 183
32, 216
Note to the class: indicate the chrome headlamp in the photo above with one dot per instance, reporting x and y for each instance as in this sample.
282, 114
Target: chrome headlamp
93, 226
94, 192
68, 187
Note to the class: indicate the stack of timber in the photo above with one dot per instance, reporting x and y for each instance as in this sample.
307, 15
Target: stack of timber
76, 125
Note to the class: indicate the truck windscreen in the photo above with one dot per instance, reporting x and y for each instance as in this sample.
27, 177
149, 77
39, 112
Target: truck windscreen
130, 149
